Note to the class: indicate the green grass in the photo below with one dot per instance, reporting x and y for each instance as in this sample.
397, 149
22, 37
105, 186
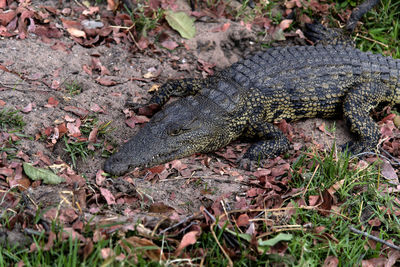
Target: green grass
68, 253
80, 149
380, 31
11, 122
358, 196
144, 19
11, 119
73, 88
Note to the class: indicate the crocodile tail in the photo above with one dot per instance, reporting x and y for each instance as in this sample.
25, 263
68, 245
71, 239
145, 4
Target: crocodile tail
358, 12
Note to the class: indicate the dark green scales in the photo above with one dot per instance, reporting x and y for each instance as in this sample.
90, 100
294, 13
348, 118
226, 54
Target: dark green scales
245, 100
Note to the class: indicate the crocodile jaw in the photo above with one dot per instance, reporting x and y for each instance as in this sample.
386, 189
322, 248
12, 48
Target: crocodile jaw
178, 131
137, 152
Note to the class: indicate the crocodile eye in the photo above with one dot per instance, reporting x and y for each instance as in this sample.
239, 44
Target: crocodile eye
174, 129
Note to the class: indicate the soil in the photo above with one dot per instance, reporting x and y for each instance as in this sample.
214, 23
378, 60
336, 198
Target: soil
48, 71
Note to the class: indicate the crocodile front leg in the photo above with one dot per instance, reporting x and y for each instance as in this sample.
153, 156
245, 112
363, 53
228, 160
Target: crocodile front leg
356, 109
182, 87
272, 142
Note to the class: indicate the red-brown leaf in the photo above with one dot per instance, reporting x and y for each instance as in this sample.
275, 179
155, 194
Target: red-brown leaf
58, 45
96, 108
157, 169
27, 108
107, 195
100, 178
243, 220
331, 261
73, 129
262, 172
285, 24
188, 239
52, 102
160, 207
130, 122
77, 111
6, 171
6, 17
143, 43
327, 201
93, 135
171, 45
389, 173
111, 5
50, 241
106, 81
222, 28
280, 170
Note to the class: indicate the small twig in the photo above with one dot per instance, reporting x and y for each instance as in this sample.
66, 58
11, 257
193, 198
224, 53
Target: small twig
230, 262
179, 223
392, 161
30, 231
309, 182
162, 249
287, 209
377, 239
372, 40
157, 225
216, 179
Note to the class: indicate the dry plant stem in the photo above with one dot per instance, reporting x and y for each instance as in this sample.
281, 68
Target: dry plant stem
230, 263
312, 177
372, 40
158, 225
216, 179
392, 160
373, 238
179, 223
215, 236
289, 208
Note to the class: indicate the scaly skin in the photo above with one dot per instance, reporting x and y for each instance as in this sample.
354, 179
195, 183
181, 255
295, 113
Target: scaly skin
245, 100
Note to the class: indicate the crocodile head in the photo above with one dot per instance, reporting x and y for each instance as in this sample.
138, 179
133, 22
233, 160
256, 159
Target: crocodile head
184, 127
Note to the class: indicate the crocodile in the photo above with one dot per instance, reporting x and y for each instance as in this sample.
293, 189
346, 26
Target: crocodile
247, 98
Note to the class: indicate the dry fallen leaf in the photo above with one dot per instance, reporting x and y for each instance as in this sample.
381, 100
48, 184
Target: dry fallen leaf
76, 33
106, 253
285, 24
188, 239
331, 261
106, 81
6, 17
27, 108
389, 173
222, 28
107, 195
73, 129
77, 111
171, 45
243, 220
51, 102
3, 3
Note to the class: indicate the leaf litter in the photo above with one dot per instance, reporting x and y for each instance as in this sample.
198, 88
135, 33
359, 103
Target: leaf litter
207, 183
